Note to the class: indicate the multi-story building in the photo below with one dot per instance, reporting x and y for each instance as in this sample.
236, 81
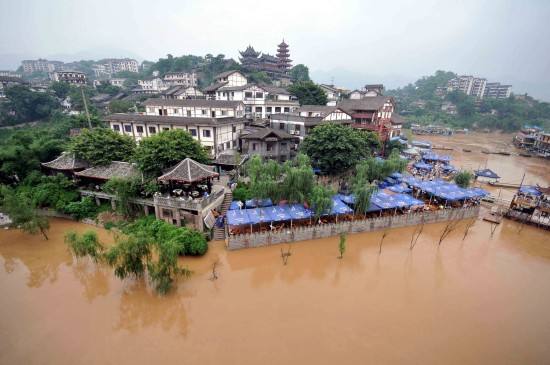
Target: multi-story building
71, 77
300, 122
8, 73
374, 113
370, 90
260, 100
542, 144
334, 94
478, 87
153, 85
276, 67
117, 81
215, 124
40, 65
180, 78
115, 65
267, 142
497, 91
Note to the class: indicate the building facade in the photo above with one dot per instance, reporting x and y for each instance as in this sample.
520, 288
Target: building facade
70, 77
497, 91
115, 65
276, 67
40, 65
269, 143
180, 78
374, 113
304, 119
478, 87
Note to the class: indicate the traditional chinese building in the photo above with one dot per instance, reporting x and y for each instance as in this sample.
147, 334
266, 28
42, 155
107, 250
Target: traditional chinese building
276, 67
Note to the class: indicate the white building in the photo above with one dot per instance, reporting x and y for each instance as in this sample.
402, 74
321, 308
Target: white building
40, 65
70, 77
117, 82
497, 91
154, 85
369, 91
183, 92
180, 78
114, 65
215, 124
305, 118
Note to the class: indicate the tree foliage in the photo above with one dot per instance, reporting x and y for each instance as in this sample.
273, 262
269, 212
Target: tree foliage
320, 200
22, 212
335, 148
300, 72
101, 146
463, 178
308, 93
166, 149
25, 105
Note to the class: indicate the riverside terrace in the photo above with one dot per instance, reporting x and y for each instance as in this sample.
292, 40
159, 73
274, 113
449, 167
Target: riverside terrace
426, 196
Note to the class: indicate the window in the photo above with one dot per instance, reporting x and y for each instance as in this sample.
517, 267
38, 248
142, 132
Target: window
254, 146
227, 145
287, 109
116, 127
189, 113
248, 109
206, 133
259, 95
281, 126
268, 109
297, 127
258, 109
165, 128
234, 129
160, 111
139, 129
128, 128
277, 109
193, 132
203, 111
152, 130
224, 112
175, 111
248, 94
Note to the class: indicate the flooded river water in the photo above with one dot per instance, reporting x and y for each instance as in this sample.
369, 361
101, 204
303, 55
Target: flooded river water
484, 300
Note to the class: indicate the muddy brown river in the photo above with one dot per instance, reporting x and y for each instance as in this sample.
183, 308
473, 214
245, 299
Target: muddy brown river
484, 300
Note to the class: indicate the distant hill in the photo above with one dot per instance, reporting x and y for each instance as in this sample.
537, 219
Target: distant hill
421, 102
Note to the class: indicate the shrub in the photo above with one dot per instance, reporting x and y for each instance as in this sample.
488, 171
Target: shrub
86, 208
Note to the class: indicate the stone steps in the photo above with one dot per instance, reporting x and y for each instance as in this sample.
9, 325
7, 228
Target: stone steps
219, 233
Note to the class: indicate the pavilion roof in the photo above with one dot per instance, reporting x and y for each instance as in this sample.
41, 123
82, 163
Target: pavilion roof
66, 161
188, 171
115, 169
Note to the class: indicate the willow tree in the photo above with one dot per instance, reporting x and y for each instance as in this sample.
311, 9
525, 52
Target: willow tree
23, 213
321, 200
363, 194
297, 184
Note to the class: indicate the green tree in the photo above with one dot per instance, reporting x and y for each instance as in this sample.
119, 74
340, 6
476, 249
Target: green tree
342, 245
60, 89
335, 148
22, 212
166, 149
299, 73
120, 106
320, 200
101, 146
308, 93
25, 105
259, 78
124, 190
86, 245
463, 179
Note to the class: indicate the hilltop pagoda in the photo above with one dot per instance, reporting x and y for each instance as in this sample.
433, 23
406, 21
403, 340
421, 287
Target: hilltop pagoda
283, 57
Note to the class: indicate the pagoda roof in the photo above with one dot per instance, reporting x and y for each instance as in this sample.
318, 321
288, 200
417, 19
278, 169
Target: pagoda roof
249, 52
188, 171
67, 161
116, 169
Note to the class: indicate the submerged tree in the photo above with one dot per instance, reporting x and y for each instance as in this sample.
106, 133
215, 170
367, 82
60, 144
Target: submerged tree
342, 245
23, 213
321, 200
463, 179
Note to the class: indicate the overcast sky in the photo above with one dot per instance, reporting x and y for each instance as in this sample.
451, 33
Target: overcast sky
351, 42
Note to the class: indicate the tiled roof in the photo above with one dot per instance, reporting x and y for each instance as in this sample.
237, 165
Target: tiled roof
316, 109
66, 162
188, 171
214, 87
115, 169
225, 74
262, 133
229, 158
367, 103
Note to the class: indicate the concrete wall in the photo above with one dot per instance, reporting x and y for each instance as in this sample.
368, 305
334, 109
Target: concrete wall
366, 225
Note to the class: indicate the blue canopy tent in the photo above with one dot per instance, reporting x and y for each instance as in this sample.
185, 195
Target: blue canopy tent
297, 211
235, 205
254, 203
488, 173
348, 199
339, 207
238, 217
430, 156
385, 200
408, 200
400, 189
474, 193
397, 176
531, 190
423, 166
448, 168
421, 144
279, 213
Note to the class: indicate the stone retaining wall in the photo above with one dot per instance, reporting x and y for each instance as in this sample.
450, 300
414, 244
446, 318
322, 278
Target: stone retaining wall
334, 229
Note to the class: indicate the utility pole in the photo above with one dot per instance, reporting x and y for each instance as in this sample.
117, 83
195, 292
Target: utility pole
86, 107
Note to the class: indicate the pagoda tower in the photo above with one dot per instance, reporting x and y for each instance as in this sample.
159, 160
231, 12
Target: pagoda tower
283, 56
249, 57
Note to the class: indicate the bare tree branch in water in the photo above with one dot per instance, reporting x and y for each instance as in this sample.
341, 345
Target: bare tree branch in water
469, 225
215, 265
493, 228
449, 227
285, 255
382, 240
521, 223
418, 235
